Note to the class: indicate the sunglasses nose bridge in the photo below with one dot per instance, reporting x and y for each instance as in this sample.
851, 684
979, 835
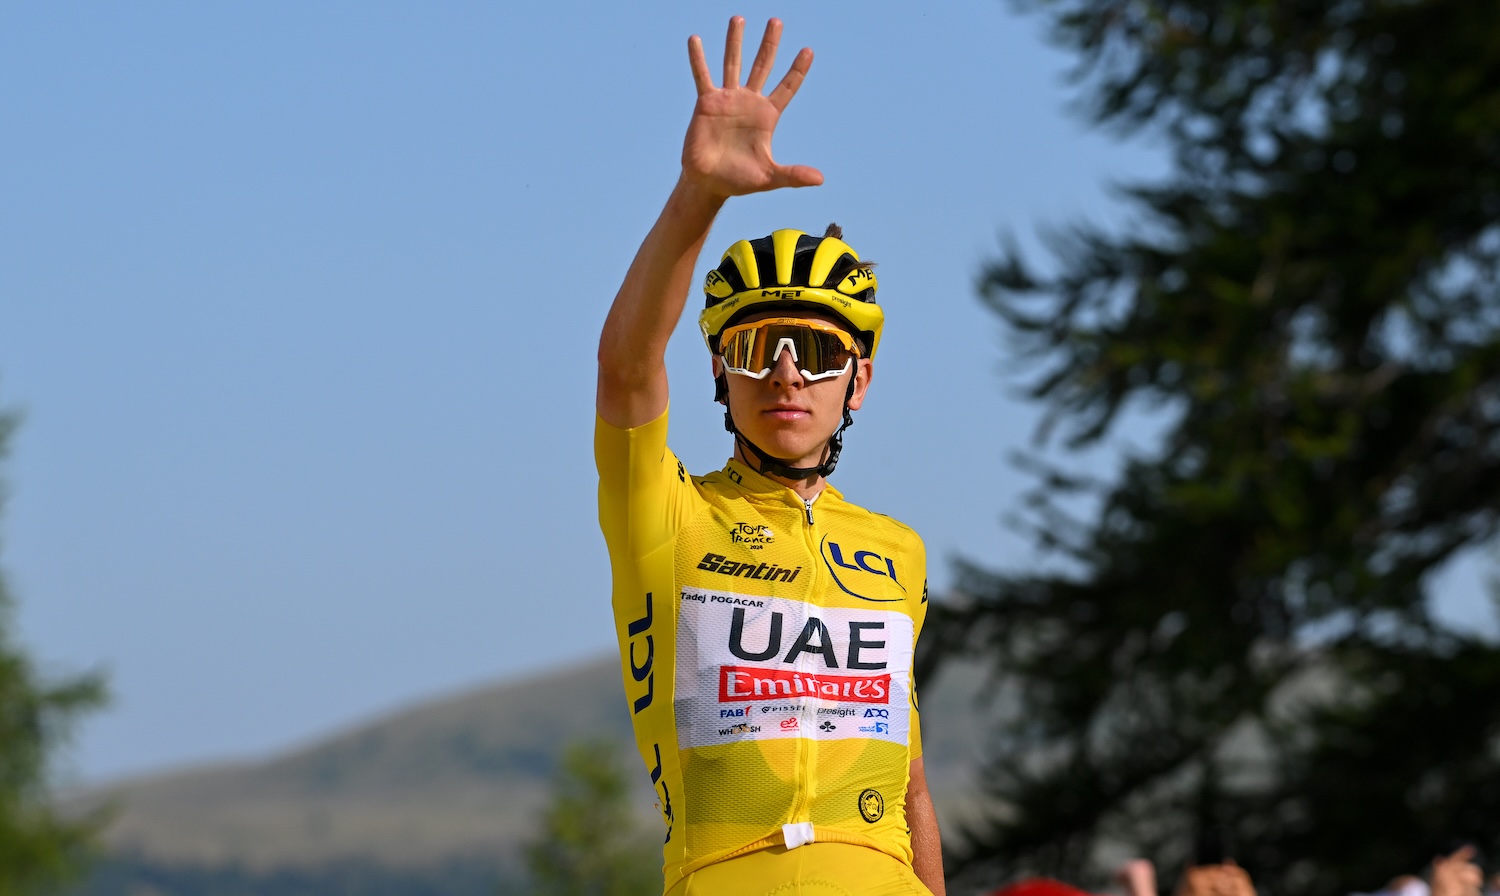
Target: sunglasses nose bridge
785, 344
786, 366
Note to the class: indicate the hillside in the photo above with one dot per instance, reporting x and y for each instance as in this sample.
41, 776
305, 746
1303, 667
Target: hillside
450, 784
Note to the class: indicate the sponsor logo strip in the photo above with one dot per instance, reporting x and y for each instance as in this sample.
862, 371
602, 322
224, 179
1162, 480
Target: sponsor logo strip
765, 668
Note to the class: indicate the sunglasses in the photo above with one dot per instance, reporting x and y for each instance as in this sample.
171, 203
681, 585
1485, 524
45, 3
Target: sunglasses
820, 350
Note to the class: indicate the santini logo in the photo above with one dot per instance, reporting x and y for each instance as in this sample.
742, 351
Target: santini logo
855, 568
765, 572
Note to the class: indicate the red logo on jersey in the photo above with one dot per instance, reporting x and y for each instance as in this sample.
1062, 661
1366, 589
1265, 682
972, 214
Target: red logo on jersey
742, 683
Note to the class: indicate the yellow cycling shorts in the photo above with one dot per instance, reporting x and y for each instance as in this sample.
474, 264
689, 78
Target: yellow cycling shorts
817, 869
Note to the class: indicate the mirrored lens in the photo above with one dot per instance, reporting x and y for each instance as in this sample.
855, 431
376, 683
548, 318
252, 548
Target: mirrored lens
754, 351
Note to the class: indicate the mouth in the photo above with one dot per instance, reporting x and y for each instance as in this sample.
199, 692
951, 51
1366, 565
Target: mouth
786, 413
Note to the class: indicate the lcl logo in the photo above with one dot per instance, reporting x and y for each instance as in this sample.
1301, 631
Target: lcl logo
864, 562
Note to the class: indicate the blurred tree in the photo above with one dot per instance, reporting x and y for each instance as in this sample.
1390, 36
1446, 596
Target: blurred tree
39, 847
1235, 640
589, 844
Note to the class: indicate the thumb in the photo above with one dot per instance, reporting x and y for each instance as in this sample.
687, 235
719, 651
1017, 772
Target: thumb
797, 176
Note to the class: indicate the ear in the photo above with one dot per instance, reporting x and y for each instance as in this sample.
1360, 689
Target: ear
721, 382
864, 371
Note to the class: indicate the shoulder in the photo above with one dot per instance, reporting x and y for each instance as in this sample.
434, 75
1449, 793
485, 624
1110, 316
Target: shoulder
879, 520
711, 482
896, 525
885, 527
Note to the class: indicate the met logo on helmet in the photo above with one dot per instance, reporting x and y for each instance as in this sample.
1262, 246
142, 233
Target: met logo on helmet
866, 563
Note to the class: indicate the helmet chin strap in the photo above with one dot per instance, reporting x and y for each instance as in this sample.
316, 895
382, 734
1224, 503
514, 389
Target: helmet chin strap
771, 465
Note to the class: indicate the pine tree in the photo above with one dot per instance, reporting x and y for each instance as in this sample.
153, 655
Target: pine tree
39, 846
1237, 645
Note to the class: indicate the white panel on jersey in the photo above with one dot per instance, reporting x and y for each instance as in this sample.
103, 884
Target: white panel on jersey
762, 668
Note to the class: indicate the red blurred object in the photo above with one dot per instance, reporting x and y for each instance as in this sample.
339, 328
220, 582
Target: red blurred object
1038, 886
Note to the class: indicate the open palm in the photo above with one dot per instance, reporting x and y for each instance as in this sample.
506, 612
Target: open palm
727, 150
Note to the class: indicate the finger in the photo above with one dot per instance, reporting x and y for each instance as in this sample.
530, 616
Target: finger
732, 51
765, 59
797, 176
701, 77
792, 82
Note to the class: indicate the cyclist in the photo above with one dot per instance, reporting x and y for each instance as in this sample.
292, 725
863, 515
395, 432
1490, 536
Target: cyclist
766, 625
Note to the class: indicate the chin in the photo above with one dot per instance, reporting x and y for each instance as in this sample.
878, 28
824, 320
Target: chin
799, 452
799, 458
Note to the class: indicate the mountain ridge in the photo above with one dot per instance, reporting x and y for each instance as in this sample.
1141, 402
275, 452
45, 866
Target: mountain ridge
457, 778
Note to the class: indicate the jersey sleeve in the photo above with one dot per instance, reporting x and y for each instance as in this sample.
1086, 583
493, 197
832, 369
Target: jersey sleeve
644, 491
918, 616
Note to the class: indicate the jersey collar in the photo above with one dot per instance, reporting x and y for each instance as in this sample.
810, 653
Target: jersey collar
754, 483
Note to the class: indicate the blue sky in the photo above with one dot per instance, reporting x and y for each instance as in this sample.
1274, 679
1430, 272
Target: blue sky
299, 303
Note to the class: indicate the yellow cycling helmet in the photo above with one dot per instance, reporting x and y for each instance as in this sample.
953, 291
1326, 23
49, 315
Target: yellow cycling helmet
791, 269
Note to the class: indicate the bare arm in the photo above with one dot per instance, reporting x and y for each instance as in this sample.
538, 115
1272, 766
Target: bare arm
727, 152
926, 842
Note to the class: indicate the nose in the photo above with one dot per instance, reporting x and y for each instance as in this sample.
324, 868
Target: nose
786, 372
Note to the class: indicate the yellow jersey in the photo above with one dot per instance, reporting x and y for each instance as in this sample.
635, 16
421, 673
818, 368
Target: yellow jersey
765, 647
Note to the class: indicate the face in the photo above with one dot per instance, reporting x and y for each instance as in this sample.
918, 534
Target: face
785, 414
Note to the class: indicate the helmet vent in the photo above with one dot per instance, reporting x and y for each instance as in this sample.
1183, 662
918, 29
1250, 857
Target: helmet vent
765, 260
802, 262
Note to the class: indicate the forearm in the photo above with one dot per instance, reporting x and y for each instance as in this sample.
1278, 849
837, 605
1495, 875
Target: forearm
926, 842
632, 387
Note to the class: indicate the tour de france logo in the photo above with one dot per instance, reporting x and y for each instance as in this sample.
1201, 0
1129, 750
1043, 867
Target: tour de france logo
871, 805
751, 535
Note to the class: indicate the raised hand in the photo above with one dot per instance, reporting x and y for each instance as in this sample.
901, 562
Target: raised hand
727, 151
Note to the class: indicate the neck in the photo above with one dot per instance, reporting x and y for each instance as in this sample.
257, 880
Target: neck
806, 489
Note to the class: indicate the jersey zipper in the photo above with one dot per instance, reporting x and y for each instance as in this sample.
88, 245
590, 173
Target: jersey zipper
802, 806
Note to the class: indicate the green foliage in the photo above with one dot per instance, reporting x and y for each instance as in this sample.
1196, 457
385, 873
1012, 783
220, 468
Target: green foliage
38, 846
122, 875
589, 844
1238, 646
